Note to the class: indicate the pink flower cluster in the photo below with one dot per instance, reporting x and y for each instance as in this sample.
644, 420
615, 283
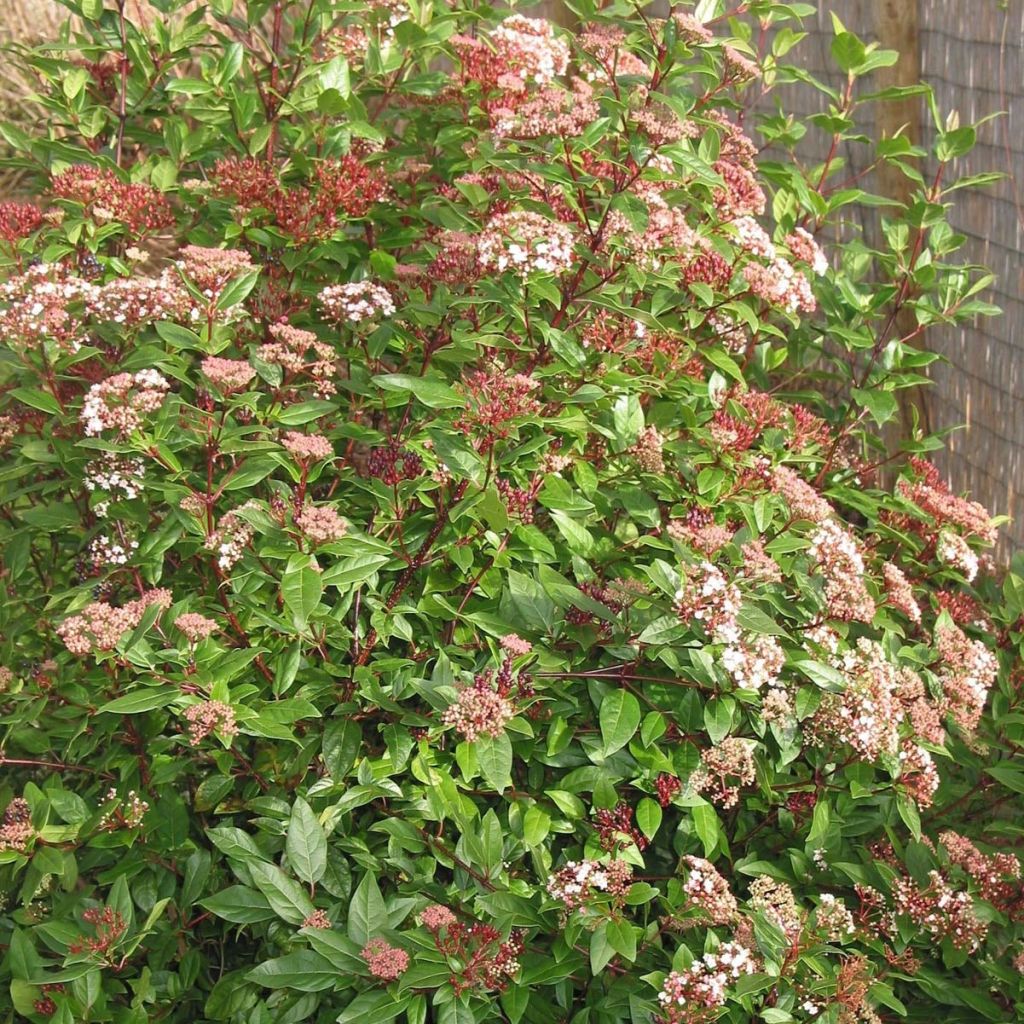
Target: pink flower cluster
551, 111
119, 402
996, 875
967, 673
525, 242
307, 447
804, 248
137, 301
356, 302
16, 831
99, 626
209, 717
839, 559
940, 910
232, 536
386, 962
196, 627
803, 500
478, 711
695, 995
707, 597
708, 891
754, 662
436, 917
899, 593
780, 284
951, 549
578, 883
867, 713
120, 476
724, 769
227, 374
321, 524
495, 399
211, 269
520, 52
776, 901
299, 351
39, 307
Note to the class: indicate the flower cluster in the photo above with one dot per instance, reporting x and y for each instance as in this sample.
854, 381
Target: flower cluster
99, 626
841, 562
776, 901
139, 207
707, 597
126, 813
481, 958
356, 302
307, 447
526, 243
209, 717
708, 891
210, 270
867, 713
941, 910
16, 830
120, 476
227, 374
724, 769
495, 400
120, 402
299, 352
579, 883
519, 52
966, 674
479, 710
195, 627
386, 962
134, 302
232, 536
694, 996
320, 524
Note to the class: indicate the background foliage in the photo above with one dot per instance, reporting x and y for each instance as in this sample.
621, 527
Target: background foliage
453, 569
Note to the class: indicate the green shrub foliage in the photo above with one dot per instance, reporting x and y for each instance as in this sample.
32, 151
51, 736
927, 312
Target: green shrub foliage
459, 558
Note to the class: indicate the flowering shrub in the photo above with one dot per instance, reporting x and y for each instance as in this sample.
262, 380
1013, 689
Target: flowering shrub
453, 567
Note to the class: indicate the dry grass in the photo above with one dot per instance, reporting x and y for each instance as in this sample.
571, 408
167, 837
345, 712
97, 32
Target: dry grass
26, 22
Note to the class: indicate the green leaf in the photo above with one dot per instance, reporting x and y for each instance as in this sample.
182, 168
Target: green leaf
237, 290
304, 971
619, 720
536, 825
648, 816
707, 827
367, 914
287, 898
880, 404
373, 1008
847, 51
627, 420
601, 950
41, 400
306, 844
301, 589
621, 937
433, 393
494, 759
139, 701
240, 905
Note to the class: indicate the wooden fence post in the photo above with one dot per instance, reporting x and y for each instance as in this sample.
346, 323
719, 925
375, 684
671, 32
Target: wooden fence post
897, 27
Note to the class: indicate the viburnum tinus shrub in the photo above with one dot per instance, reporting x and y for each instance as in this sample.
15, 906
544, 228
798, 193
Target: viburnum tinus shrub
452, 566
